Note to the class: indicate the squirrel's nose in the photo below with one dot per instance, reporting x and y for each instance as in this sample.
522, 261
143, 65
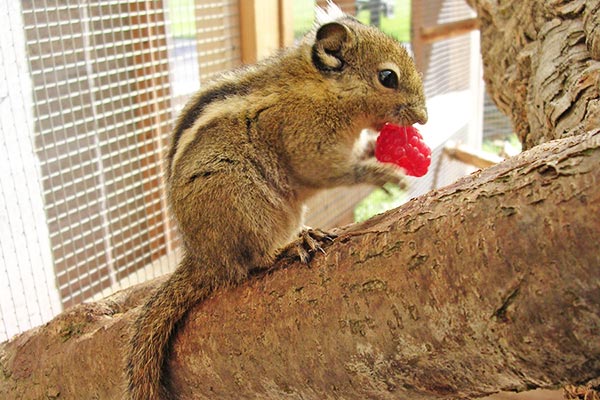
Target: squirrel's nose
420, 114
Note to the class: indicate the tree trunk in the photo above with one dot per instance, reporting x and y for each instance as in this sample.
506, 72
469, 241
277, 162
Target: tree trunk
490, 284
542, 64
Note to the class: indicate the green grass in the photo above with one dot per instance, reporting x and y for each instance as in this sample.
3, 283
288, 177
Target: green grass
397, 27
182, 15
304, 17
497, 145
379, 201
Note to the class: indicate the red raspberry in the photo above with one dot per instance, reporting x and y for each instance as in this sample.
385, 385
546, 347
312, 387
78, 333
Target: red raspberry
403, 146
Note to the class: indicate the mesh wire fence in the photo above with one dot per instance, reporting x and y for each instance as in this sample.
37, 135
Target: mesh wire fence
89, 90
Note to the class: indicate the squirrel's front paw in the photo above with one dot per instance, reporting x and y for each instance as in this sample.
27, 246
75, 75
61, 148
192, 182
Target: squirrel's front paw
378, 173
310, 241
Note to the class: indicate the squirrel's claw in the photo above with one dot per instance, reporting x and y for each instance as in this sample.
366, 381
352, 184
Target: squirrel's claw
310, 241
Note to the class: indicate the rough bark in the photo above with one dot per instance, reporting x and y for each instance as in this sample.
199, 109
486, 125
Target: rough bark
542, 64
492, 283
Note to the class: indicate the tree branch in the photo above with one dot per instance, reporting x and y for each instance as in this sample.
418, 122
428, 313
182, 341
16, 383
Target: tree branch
489, 284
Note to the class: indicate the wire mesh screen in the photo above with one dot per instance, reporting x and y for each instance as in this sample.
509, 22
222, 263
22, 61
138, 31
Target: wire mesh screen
89, 93
498, 132
452, 81
101, 113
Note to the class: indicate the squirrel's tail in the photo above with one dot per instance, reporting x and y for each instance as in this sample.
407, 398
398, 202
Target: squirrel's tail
153, 330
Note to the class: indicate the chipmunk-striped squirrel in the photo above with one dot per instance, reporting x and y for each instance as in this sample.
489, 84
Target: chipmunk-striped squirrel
250, 148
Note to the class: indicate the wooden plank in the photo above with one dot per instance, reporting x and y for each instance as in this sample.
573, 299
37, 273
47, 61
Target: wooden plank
248, 31
286, 23
476, 158
260, 36
429, 34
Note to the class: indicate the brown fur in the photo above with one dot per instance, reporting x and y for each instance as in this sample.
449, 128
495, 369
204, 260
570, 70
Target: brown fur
248, 151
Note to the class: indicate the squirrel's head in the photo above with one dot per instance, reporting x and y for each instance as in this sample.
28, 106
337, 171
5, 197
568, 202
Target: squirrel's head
374, 70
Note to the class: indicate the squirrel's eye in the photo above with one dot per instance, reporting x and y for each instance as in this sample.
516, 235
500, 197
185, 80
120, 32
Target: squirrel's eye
388, 78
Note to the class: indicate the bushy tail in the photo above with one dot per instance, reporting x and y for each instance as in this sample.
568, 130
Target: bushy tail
154, 328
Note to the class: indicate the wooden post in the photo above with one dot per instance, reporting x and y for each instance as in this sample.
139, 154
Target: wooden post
286, 23
260, 28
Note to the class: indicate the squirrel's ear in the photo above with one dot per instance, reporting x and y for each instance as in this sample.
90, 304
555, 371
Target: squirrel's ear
327, 52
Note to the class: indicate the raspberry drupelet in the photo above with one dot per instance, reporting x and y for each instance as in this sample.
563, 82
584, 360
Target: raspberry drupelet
403, 146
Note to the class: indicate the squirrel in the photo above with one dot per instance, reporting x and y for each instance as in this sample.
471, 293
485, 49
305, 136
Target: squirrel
250, 148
